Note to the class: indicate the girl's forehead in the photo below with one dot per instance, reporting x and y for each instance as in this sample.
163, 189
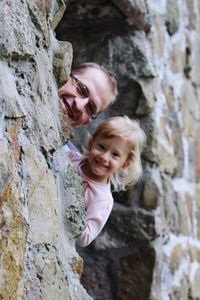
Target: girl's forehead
112, 140
109, 137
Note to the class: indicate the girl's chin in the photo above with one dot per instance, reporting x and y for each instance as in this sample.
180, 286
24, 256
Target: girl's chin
100, 174
100, 171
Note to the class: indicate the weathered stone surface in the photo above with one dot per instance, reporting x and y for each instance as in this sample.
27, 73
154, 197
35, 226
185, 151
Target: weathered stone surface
152, 189
175, 211
90, 13
39, 11
51, 275
131, 224
197, 200
37, 247
136, 13
196, 154
190, 108
172, 18
123, 269
96, 278
5, 167
61, 63
195, 289
193, 10
177, 58
73, 204
176, 258
41, 194
177, 142
147, 100
180, 292
194, 44
10, 99
13, 228
194, 252
132, 273
57, 11
77, 265
20, 42
158, 38
134, 56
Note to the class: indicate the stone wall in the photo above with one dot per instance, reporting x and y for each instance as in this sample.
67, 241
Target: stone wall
38, 258
150, 248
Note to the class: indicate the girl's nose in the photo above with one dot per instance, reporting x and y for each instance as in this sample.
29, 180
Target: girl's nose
105, 156
80, 103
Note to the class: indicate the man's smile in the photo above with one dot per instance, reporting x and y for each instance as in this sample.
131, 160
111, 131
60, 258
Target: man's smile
68, 108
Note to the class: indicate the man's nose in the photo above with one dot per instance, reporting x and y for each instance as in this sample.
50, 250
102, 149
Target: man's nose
80, 103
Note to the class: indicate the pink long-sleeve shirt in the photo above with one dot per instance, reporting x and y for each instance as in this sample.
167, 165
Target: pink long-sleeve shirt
98, 202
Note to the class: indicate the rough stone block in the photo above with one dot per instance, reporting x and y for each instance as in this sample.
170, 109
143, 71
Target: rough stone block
42, 198
20, 42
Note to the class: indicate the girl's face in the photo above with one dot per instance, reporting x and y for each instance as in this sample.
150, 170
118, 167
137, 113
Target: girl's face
106, 156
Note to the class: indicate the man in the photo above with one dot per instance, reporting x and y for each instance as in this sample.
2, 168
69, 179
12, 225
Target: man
89, 91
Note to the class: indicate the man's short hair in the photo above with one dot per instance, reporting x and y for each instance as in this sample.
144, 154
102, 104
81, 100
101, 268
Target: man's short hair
109, 74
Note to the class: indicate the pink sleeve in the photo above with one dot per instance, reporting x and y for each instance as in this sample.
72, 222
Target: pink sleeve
97, 214
74, 157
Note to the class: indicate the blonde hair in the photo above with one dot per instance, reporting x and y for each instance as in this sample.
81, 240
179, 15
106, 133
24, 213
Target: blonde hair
109, 74
131, 131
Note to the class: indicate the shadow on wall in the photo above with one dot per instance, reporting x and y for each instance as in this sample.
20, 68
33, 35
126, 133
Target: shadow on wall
116, 264
123, 273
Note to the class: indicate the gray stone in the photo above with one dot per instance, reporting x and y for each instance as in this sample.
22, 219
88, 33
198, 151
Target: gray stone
172, 18
195, 289
152, 189
136, 13
38, 256
20, 42
62, 63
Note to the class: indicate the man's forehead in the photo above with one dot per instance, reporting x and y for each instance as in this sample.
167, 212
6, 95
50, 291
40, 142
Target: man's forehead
98, 85
90, 71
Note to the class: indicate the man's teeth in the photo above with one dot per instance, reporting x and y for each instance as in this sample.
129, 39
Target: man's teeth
68, 109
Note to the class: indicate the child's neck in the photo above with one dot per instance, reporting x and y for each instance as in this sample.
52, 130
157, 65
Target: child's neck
87, 171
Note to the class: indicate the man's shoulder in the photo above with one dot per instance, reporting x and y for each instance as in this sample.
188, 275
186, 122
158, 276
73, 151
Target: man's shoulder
69, 146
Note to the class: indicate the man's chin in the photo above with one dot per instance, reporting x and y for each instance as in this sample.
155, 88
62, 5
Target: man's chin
79, 123
76, 124
67, 120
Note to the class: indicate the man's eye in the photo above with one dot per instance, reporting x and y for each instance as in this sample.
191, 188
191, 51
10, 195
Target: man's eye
82, 90
91, 110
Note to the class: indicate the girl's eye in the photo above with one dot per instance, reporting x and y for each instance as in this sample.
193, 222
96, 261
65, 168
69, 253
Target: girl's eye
115, 155
101, 147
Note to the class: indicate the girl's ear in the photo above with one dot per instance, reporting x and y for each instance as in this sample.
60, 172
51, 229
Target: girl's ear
126, 164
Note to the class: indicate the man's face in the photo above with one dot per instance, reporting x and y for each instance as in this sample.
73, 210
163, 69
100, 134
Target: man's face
84, 95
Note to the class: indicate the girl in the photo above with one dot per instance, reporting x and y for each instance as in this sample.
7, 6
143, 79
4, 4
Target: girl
113, 157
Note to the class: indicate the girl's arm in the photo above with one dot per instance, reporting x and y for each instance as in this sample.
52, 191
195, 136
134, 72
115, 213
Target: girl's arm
96, 216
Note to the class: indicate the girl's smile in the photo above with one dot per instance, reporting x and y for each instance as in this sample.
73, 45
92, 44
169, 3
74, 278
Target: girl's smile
106, 155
